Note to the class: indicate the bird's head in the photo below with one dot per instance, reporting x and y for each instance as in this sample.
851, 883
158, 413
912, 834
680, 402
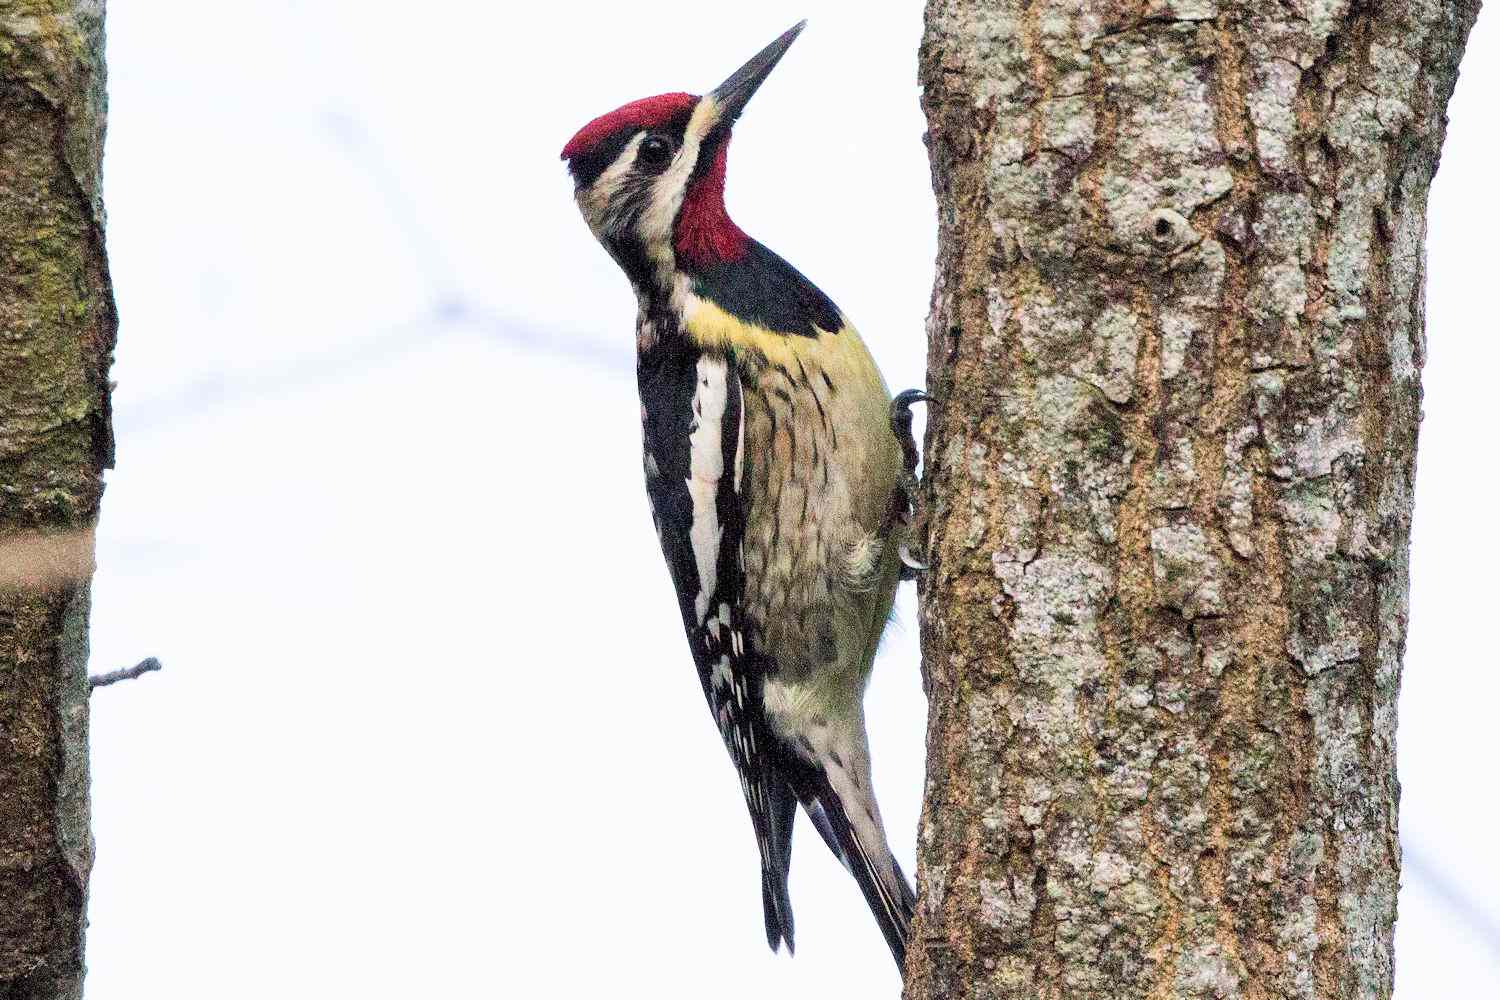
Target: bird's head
649, 177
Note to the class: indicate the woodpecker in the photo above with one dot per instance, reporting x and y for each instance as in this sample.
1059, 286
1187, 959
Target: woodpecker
776, 466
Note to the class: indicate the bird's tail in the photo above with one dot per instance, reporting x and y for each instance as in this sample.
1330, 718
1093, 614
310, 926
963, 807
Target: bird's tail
855, 836
850, 825
776, 862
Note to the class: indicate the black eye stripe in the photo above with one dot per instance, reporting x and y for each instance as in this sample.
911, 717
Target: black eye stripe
587, 167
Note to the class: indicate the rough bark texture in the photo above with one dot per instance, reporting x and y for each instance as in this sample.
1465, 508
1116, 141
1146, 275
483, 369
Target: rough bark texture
57, 330
1176, 335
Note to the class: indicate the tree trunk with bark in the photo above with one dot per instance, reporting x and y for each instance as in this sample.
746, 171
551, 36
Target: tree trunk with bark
1176, 338
57, 332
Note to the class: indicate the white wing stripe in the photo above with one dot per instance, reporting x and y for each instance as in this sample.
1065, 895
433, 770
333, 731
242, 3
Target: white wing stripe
706, 447
739, 446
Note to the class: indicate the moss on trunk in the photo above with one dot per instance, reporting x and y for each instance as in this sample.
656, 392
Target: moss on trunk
57, 331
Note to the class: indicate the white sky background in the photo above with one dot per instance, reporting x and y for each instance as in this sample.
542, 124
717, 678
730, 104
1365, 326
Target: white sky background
428, 726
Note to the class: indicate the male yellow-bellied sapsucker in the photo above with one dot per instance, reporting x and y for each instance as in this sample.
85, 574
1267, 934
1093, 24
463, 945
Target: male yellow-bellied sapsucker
776, 466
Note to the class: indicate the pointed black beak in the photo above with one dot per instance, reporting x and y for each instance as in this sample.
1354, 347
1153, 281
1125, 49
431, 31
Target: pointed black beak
733, 94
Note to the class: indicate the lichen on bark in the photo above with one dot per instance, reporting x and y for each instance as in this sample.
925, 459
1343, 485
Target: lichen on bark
1176, 336
57, 331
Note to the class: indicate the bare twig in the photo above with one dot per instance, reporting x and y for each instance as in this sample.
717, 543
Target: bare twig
147, 665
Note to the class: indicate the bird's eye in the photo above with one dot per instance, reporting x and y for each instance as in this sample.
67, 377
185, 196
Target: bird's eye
655, 152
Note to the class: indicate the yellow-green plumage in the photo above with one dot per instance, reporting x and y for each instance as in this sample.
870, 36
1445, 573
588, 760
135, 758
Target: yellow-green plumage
821, 562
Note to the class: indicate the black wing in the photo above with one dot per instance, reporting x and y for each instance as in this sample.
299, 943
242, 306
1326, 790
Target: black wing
762, 289
692, 412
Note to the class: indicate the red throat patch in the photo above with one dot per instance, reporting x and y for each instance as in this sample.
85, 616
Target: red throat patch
705, 233
645, 113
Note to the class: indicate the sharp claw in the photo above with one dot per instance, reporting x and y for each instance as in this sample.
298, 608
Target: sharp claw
901, 405
911, 562
901, 425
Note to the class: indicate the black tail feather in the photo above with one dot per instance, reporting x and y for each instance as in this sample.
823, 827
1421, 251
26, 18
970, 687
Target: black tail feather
893, 912
819, 820
776, 863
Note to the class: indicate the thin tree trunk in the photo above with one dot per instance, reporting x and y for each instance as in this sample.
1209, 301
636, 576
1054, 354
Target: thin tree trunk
57, 330
1176, 337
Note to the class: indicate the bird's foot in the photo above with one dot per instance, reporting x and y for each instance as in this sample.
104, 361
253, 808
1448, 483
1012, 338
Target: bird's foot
901, 426
905, 501
910, 566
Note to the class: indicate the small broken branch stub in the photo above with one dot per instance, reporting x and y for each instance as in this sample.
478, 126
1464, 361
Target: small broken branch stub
146, 666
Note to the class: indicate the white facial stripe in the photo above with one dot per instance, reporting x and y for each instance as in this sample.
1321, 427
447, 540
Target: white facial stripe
705, 117
621, 197
597, 200
667, 193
